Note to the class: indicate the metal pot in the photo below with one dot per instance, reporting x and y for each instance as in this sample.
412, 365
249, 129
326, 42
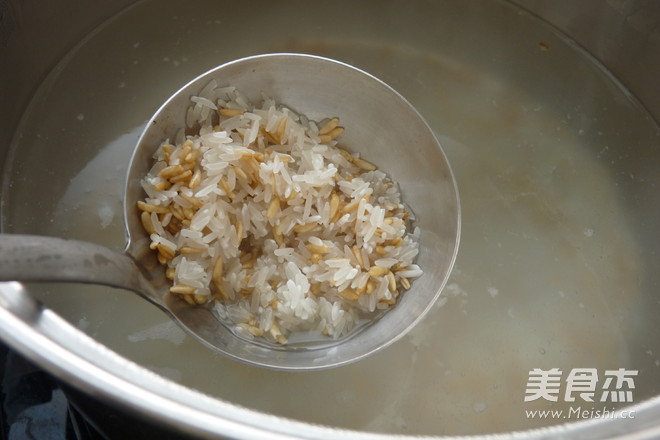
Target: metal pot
547, 111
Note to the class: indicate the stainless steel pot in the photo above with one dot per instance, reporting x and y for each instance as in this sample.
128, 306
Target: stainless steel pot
547, 111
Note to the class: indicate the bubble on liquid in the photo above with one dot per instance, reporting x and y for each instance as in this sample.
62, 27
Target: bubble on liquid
106, 215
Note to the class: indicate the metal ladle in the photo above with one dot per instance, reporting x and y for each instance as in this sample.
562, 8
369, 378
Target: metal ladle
378, 123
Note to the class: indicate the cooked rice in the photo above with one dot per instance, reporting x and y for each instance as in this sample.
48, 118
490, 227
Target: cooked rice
263, 214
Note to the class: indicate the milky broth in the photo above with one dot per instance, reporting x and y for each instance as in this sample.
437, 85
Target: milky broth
549, 268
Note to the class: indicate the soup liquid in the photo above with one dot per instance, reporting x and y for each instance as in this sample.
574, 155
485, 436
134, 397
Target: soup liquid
550, 272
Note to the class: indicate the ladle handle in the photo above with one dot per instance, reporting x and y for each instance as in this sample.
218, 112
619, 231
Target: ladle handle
38, 258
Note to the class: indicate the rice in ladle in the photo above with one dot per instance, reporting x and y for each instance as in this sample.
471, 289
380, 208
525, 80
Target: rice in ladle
261, 212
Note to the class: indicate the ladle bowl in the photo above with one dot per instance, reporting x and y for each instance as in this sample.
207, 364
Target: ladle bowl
380, 124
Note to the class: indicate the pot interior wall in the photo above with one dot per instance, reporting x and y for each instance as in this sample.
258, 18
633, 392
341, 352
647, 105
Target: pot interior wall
555, 161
